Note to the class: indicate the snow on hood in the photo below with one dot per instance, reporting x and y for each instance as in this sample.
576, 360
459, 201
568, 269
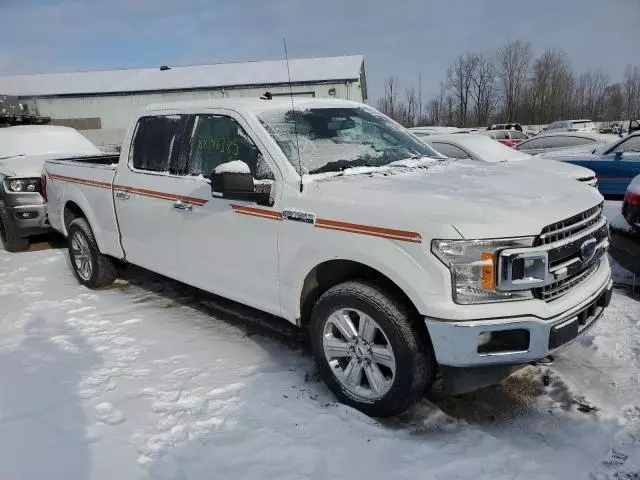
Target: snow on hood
31, 165
576, 172
480, 201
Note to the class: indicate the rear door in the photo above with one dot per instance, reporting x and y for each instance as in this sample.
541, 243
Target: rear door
228, 247
148, 193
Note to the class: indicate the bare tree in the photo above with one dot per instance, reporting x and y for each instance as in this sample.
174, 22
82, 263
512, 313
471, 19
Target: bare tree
588, 93
613, 100
459, 81
513, 60
388, 104
412, 107
483, 88
552, 86
631, 90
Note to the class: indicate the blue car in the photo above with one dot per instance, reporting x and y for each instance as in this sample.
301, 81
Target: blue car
615, 164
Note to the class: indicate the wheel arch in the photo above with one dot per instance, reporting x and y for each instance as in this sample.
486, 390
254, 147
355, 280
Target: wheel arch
329, 273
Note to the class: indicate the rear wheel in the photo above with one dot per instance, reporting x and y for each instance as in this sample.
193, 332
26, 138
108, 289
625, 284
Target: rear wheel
368, 350
9, 237
90, 267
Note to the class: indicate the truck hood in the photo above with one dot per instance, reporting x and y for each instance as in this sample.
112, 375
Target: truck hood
568, 170
30, 165
487, 201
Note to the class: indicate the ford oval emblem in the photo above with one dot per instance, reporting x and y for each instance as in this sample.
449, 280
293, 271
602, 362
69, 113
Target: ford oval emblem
588, 250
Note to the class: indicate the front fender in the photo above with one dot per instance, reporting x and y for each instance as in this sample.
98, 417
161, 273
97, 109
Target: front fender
412, 267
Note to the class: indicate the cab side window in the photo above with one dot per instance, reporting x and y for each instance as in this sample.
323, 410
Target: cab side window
156, 142
218, 139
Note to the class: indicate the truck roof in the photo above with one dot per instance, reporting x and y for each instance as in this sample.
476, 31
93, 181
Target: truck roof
253, 105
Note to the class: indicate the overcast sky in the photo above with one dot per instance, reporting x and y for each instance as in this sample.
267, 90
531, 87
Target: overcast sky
400, 37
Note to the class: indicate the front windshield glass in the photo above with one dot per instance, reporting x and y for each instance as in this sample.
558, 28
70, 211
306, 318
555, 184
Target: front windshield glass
334, 139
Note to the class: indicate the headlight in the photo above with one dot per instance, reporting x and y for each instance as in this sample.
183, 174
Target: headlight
29, 185
473, 265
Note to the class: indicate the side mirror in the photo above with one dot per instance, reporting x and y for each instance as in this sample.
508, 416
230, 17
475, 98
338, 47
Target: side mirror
618, 155
233, 181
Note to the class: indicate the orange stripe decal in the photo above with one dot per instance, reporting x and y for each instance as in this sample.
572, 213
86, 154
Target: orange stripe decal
390, 233
81, 181
257, 212
161, 195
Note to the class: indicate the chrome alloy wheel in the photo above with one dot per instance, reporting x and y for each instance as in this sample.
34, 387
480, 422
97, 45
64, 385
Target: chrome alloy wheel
81, 256
359, 354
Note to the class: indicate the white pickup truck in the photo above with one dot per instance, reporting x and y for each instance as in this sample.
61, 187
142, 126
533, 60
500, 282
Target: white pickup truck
400, 263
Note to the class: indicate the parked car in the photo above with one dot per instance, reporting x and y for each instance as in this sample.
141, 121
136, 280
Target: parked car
615, 163
510, 138
483, 149
555, 141
625, 239
506, 126
23, 150
581, 125
634, 126
399, 263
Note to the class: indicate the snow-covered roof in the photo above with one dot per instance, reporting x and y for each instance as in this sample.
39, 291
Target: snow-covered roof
253, 105
303, 70
38, 139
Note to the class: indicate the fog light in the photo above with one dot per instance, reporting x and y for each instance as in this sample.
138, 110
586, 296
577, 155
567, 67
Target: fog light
503, 341
26, 215
484, 338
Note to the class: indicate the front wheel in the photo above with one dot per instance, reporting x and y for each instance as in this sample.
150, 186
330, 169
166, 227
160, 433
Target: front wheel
90, 267
368, 350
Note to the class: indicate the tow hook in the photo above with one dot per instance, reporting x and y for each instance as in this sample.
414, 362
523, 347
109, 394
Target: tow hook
548, 360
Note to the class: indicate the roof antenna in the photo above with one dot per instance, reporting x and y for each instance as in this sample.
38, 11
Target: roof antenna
293, 109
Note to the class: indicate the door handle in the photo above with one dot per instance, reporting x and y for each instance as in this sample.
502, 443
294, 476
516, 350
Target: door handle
180, 205
123, 195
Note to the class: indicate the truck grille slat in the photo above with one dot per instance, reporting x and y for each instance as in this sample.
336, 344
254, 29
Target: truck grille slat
559, 288
571, 229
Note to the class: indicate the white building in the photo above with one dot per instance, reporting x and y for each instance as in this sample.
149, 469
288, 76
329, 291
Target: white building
101, 103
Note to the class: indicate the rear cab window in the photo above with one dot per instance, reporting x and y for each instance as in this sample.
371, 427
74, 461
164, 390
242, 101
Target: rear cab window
157, 143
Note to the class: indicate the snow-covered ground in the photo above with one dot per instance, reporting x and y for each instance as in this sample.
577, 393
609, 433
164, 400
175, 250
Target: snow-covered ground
153, 379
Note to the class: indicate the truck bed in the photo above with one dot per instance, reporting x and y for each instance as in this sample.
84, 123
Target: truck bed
84, 181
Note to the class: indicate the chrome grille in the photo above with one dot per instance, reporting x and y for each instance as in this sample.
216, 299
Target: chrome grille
570, 227
559, 288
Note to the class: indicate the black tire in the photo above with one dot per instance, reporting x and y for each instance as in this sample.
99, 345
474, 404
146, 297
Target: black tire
103, 271
9, 236
415, 365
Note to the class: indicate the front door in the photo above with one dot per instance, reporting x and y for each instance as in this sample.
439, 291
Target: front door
229, 247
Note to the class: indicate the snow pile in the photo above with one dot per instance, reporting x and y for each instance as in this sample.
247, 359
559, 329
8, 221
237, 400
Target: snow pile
235, 166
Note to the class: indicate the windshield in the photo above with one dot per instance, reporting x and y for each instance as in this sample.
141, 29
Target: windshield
334, 139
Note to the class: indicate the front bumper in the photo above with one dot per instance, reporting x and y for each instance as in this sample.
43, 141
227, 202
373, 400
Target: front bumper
29, 219
456, 343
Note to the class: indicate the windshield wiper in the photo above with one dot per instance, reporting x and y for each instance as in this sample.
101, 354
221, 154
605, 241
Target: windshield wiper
340, 166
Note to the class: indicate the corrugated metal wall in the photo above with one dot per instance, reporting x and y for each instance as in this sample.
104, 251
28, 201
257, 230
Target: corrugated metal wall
115, 111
